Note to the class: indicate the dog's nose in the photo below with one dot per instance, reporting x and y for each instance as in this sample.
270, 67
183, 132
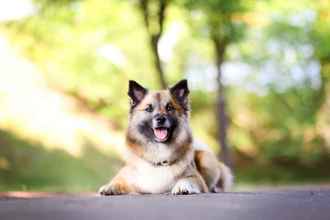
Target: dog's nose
160, 120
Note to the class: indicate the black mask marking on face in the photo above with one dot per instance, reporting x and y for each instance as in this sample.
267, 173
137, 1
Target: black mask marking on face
145, 128
151, 130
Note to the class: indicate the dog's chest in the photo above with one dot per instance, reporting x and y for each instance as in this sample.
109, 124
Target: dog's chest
157, 179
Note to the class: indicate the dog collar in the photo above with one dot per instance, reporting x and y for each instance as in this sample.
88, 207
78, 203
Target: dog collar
161, 163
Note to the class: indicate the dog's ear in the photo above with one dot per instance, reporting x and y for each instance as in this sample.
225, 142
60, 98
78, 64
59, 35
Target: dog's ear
136, 92
180, 92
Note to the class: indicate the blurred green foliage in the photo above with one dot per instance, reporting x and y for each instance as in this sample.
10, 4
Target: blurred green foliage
278, 106
29, 166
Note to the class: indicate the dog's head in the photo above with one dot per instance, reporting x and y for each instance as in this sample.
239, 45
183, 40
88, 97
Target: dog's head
159, 116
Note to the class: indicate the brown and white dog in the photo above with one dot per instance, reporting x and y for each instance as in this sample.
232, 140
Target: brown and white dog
163, 156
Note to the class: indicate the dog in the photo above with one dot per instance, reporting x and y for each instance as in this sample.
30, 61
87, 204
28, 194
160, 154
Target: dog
163, 156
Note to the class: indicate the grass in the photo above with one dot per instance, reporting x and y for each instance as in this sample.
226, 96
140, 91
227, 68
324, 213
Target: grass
280, 174
29, 167
26, 166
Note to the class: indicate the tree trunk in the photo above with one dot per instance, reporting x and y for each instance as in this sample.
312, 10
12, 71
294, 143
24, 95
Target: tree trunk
157, 62
154, 34
220, 49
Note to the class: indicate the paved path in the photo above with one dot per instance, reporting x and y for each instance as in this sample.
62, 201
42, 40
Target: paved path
311, 205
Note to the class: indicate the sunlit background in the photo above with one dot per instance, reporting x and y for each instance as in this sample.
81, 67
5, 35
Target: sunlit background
65, 64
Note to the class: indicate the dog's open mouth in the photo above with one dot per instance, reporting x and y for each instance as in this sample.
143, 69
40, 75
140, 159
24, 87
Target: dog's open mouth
161, 134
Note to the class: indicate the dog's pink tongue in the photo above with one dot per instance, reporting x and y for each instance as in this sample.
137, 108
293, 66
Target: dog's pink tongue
161, 134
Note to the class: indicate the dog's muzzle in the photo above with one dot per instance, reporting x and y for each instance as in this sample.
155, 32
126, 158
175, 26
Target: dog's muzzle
161, 126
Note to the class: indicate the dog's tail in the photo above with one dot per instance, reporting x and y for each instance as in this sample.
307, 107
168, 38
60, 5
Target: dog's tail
226, 179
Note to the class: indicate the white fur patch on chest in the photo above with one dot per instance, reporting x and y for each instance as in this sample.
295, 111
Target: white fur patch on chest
155, 179
158, 179
158, 152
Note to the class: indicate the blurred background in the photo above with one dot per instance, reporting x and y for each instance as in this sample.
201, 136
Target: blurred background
259, 74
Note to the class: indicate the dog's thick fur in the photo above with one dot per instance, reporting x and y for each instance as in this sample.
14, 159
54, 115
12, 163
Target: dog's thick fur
171, 163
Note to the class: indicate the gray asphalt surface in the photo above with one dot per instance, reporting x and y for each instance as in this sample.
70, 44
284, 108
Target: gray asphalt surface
290, 205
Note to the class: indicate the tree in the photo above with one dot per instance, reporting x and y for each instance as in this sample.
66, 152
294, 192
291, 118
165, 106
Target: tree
320, 36
223, 29
153, 12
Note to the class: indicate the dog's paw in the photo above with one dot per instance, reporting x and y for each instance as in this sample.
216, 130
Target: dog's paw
185, 187
111, 189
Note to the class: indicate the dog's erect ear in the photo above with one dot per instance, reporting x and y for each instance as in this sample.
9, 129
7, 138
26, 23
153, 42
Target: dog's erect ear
136, 92
180, 92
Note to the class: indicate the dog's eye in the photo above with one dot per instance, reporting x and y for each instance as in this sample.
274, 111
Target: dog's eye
149, 108
169, 107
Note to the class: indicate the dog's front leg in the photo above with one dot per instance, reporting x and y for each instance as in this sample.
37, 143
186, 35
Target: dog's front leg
118, 185
189, 185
